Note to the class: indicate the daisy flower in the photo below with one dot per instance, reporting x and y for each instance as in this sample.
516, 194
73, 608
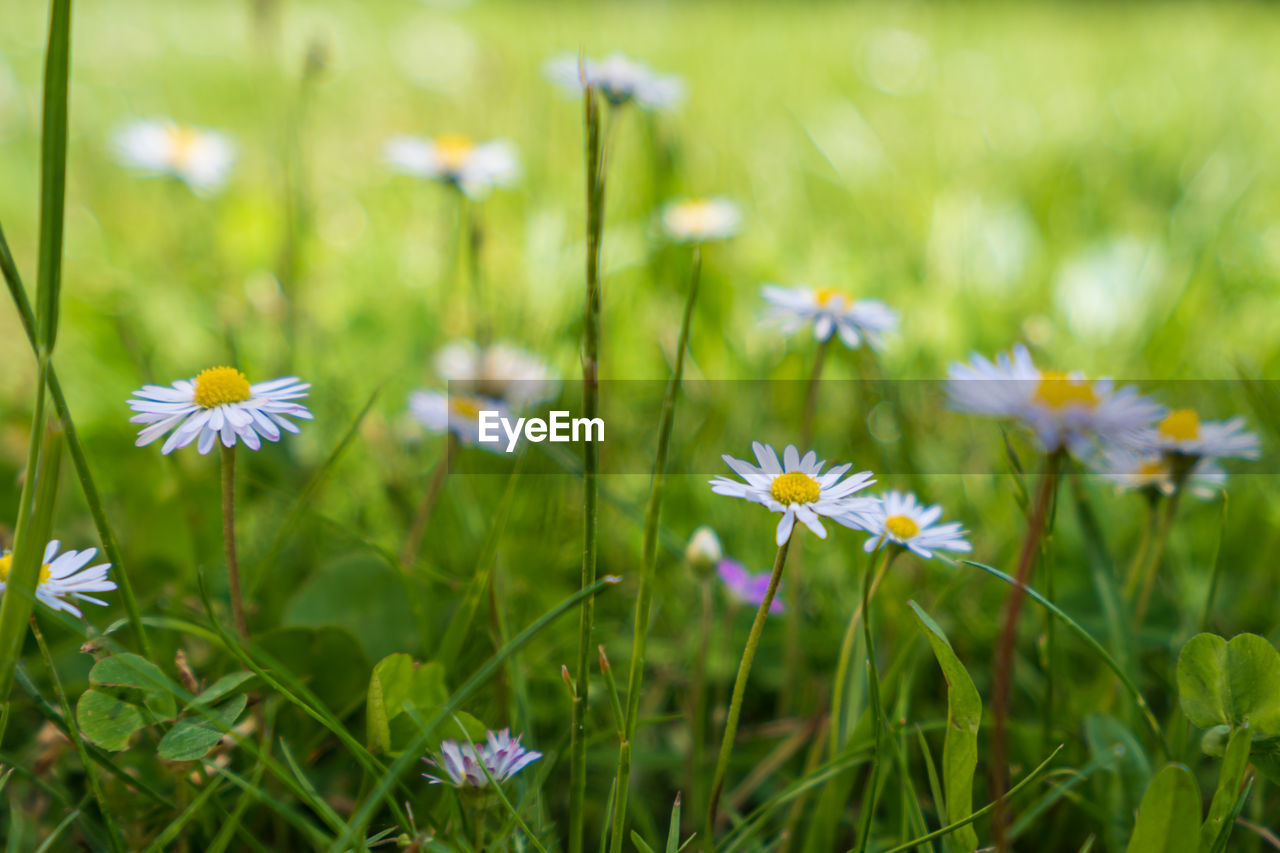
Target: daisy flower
1130, 469
1182, 432
1063, 410
463, 765
473, 167
746, 587
505, 372
619, 79
200, 158
699, 220
829, 311
64, 576
219, 403
904, 521
442, 412
799, 490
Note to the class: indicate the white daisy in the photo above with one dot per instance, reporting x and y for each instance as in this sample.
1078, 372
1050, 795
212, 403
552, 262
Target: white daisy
1183, 432
799, 490
517, 377
464, 764
1130, 469
698, 220
473, 167
219, 403
459, 414
200, 158
64, 576
619, 79
828, 311
1063, 410
903, 520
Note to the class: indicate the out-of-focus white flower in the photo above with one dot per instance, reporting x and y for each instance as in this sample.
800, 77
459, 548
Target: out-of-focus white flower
1063, 410
619, 79
219, 403
516, 376
700, 220
703, 553
827, 311
64, 576
463, 765
904, 521
1130, 469
200, 158
459, 414
475, 168
1183, 432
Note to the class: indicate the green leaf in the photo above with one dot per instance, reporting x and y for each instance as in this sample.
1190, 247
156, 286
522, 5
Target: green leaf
964, 715
460, 726
53, 172
1169, 817
130, 670
222, 687
1266, 760
327, 660
1230, 778
1231, 683
195, 734
1125, 774
106, 720
398, 679
363, 595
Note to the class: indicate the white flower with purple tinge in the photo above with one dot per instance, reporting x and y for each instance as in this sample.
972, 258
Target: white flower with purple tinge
218, 404
475, 168
905, 521
1182, 432
200, 158
64, 576
828, 311
619, 79
746, 587
797, 489
1130, 469
1063, 410
463, 765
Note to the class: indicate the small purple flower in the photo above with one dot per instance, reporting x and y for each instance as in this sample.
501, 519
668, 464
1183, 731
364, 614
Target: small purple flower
503, 756
747, 587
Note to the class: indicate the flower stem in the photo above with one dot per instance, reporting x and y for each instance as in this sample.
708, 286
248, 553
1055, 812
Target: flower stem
698, 695
1008, 637
839, 691
811, 394
1155, 557
876, 709
413, 542
1152, 522
229, 538
649, 552
740, 689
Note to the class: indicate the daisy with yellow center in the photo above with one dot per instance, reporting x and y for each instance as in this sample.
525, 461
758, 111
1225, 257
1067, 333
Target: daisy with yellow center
904, 521
797, 488
64, 576
828, 311
218, 404
1136, 469
1064, 410
701, 220
475, 168
619, 79
502, 371
457, 412
200, 158
1182, 432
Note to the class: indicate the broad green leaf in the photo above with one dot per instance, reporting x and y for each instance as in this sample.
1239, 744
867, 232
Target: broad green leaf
1266, 760
222, 687
106, 720
460, 726
1125, 774
130, 670
397, 680
1169, 817
1230, 778
363, 595
195, 734
1231, 683
960, 747
327, 660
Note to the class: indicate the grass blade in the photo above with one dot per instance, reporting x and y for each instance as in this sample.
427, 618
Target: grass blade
53, 173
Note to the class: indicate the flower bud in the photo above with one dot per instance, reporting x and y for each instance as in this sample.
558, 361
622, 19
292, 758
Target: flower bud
703, 553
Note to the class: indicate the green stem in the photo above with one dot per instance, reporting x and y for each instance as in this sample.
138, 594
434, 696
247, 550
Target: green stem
1156, 556
842, 665
229, 539
698, 696
1150, 523
873, 691
422, 516
644, 600
1217, 568
740, 689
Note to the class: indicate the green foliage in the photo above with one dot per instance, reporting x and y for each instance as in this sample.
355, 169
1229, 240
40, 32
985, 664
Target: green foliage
195, 734
1219, 821
1169, 817
1234, 683
361, 594
108, 721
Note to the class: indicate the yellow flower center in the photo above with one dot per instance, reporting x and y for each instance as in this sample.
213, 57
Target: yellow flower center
465, 406
6, 563
454, 150
1059, 391
795, 488
901, 526
1181, 425
218, 386
827, 296
182, 142
695, 215
1153, 470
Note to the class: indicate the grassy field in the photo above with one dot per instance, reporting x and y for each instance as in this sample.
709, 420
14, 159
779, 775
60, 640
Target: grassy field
1094, 180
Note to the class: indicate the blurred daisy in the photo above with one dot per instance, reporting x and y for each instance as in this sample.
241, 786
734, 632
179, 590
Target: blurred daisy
473, 167
1182, 432
703, 553
746, 587
619, 79
829, 311
1063, 410
64, 576
699, 220
517, 377
904, 521
200, 158
463, 765
442, 412
797, 489
1130, 469
219, 403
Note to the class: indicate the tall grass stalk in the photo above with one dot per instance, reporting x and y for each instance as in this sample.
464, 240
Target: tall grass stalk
875, 707
649, 556
840, 689
740, 689
1182, 466
430, 497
